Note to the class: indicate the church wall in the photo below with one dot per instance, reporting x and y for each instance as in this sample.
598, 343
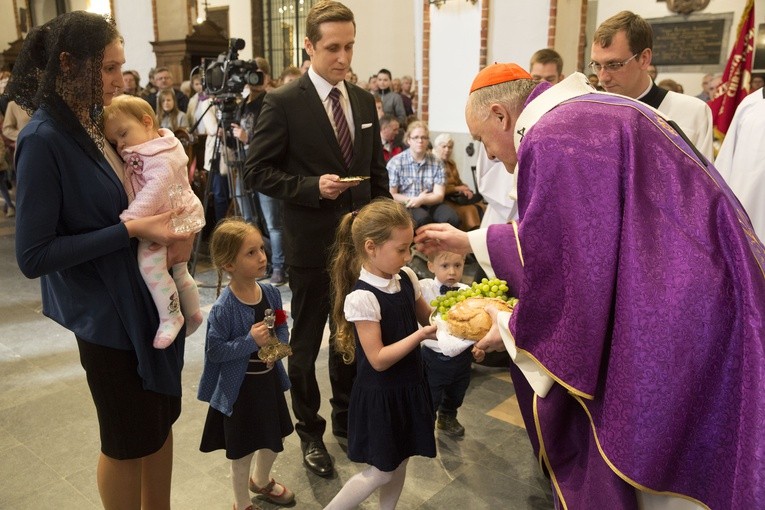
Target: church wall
8, 32
133, 20
517, 28
384, 37
239, 22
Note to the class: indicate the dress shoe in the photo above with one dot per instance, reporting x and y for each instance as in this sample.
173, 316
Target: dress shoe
278, 278
316, 458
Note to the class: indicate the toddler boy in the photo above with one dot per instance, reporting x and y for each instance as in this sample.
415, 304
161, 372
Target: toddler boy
448, 377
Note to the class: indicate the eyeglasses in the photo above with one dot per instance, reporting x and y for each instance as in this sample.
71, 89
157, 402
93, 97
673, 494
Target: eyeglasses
611, 67
421, 138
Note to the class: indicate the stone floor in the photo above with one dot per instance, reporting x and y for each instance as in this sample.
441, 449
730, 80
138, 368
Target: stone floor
49, 438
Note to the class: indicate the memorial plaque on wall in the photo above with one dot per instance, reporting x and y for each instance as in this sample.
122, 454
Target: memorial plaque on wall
687, 43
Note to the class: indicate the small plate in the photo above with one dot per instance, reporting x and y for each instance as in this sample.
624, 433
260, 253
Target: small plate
354, 178
433, 316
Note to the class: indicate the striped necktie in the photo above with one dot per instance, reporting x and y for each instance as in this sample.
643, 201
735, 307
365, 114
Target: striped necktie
343, 133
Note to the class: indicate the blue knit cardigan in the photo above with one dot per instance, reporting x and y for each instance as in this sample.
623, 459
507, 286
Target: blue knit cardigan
228, 347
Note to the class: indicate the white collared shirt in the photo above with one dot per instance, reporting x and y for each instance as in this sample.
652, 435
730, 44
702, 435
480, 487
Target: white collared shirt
362, 305
323, 87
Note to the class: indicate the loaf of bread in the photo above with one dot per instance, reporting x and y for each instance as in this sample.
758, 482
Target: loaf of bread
468, 319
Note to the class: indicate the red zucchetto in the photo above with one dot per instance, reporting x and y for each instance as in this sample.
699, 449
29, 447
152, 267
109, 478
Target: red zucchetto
498, 73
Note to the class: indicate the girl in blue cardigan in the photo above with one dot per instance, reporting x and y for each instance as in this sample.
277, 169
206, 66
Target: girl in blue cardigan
248, 413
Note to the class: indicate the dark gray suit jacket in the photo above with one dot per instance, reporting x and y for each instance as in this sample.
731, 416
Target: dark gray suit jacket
294, 144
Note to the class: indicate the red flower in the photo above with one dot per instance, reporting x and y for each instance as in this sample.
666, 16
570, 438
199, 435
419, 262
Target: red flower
281, 317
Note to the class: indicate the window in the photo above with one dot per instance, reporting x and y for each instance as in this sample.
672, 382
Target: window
283, 32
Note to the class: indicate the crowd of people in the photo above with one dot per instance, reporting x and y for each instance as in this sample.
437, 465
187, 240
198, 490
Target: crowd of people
603, 212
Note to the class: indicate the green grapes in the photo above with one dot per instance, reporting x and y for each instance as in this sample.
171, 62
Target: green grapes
488, 288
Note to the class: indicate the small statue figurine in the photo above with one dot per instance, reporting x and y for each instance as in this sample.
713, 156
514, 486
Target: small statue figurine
274, 350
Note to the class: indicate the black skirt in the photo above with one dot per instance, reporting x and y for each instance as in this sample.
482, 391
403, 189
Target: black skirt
133, 422
260, 418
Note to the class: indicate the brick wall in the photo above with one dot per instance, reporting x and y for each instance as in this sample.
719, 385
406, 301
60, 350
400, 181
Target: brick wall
422, 108
483, 52
551, 23
580, 63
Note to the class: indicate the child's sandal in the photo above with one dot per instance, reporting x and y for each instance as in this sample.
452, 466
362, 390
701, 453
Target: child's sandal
283, 497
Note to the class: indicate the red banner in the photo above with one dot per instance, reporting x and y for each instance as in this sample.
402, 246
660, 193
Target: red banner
738, 71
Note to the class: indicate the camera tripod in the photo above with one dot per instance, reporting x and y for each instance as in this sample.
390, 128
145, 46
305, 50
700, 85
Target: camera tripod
228, 151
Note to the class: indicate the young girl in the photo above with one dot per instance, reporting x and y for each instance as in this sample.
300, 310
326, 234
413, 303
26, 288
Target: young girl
248, 412
168, 114
155, 165
390, 413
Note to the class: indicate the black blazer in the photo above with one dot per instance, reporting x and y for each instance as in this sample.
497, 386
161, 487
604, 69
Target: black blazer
293, 145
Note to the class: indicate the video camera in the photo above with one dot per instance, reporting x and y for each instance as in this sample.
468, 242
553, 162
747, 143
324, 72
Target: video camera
227, 75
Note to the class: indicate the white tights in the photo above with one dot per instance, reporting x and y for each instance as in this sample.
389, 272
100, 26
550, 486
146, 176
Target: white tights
362, 485
240, 475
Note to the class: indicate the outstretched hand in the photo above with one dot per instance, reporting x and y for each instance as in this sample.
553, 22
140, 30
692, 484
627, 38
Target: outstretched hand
492, 341
441, 236
428, 332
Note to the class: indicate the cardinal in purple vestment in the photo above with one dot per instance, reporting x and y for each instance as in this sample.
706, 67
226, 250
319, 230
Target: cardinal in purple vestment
640, 328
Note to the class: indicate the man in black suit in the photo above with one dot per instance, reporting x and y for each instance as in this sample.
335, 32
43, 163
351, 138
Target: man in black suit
300, 152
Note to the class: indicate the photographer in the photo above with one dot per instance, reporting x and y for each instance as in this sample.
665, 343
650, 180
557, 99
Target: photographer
271, 208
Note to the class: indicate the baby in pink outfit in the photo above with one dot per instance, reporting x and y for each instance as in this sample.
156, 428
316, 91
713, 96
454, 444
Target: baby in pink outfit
155, 169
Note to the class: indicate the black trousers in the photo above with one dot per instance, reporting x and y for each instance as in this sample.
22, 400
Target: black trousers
311, 305
448, 378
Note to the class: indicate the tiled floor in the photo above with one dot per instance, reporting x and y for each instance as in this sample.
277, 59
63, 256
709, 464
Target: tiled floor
49, 439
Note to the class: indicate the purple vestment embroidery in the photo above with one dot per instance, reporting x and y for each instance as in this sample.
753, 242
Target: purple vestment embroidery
642, 292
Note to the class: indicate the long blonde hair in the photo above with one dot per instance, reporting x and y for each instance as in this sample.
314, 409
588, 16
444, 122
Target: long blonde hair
172, 114
226, 241
374, 222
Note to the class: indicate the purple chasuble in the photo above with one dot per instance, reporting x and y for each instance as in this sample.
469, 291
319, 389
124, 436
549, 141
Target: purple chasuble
642, 294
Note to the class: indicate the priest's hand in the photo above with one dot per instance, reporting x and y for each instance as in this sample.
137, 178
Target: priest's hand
492, 341
478, 354
436, 237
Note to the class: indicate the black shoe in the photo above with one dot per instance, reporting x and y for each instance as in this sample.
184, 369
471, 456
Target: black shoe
450, 426
316, 458
278, 278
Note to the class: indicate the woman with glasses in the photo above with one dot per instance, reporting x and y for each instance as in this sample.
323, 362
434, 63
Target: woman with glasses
417, 180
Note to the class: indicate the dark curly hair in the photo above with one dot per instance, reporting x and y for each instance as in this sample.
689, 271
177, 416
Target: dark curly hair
39, 80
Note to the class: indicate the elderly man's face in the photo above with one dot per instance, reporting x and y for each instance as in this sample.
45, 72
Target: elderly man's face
163, 80
494, 127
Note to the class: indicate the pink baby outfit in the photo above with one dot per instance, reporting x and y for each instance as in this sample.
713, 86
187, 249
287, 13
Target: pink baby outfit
151, 170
